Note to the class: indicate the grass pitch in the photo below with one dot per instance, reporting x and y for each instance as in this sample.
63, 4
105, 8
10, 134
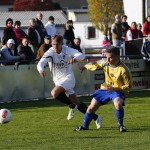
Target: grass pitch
42, 125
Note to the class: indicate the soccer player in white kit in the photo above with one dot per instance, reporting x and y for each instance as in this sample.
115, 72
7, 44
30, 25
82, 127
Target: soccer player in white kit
60, 59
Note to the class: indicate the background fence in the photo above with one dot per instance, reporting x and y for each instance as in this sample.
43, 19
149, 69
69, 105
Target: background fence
24, 82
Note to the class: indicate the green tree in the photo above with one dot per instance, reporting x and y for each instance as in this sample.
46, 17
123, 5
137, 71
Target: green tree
102, 13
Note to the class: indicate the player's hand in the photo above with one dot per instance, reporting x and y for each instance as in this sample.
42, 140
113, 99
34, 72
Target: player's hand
110, 88
71, 61
42, 73
81, 66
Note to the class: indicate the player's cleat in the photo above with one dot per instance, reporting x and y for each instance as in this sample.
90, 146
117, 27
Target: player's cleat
72, 112
98, 122
79, 128
122, 129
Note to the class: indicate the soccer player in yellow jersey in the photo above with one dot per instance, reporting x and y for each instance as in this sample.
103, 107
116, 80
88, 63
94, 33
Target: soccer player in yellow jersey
117, 84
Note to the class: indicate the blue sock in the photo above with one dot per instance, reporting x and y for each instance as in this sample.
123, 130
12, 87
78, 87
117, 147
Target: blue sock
120, 116
87, 119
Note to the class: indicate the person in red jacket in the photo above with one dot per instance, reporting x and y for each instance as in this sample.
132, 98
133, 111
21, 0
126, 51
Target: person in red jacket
132, 32
146, 26
20, 34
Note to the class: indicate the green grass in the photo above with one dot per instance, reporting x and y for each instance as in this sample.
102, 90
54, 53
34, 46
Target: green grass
42, 125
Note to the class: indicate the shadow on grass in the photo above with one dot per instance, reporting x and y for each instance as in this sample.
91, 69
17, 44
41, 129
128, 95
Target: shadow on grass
139, 129
38, 103
94, 137
31, 104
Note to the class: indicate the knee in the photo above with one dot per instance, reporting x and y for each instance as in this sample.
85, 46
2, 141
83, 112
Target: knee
118, 103
54, 94
90, 110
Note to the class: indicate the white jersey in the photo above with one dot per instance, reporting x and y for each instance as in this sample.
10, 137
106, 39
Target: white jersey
58, 63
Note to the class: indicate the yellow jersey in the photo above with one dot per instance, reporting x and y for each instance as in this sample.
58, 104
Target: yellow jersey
119, 76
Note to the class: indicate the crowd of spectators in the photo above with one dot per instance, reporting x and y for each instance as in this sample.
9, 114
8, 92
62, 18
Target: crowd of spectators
37, 39
18, 44
122, 31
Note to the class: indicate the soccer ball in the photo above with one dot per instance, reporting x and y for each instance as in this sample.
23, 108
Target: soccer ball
5, 116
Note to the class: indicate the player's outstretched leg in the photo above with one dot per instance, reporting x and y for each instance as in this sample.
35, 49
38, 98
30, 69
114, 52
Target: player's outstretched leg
89, 115
87, 120
97, 118
72, 112
62, 97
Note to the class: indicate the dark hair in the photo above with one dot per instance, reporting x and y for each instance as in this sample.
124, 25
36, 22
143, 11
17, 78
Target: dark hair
68, 25
51, 18
133, 23
115, 51
124, 16
70, 21
78, 39
17, 23
146, 18
9, 19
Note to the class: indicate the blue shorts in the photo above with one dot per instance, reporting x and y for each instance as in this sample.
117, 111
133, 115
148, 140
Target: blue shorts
103, 96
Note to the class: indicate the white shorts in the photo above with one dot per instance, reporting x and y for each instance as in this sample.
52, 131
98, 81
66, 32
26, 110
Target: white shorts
68, 88
68, 84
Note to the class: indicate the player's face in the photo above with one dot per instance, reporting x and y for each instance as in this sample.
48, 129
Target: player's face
113, 60
10, 46
25, 42
57, 46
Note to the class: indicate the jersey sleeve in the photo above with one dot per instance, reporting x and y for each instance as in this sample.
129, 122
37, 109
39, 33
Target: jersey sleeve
127, 78
75, 54
95, 66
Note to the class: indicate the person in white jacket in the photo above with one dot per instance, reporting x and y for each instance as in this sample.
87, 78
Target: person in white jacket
8, 53
60, 59
50, 26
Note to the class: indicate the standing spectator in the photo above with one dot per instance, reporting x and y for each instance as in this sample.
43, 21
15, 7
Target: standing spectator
61, 58
44, 47
116, 31
146, 50
8, 31
50, 26
34, 36
19, 32
118, 82
25, 49
125, 25
40, 27
7, 52
140, 33
146, 26
69, 33
9, 34
76, 44
132, 32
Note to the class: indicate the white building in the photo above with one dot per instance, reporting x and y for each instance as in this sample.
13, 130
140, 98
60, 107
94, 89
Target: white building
83, 28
